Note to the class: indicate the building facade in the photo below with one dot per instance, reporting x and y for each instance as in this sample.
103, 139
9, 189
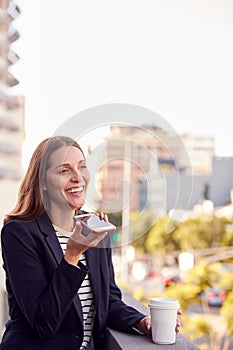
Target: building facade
11, 106
11, 127
137, 161
201, 150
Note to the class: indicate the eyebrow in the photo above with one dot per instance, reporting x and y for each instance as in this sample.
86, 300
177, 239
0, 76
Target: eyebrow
69, 164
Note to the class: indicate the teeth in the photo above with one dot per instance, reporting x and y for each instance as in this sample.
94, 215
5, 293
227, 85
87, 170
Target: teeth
77, 189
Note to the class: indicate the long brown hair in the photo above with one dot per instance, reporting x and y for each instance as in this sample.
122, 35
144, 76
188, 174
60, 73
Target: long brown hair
32, 200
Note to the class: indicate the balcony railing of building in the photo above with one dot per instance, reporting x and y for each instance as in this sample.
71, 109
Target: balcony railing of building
122, 341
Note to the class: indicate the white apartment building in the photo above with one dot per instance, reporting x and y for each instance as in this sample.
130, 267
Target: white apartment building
201, 150
11, 127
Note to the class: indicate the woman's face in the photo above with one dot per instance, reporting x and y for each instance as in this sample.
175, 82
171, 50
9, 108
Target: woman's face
66, 179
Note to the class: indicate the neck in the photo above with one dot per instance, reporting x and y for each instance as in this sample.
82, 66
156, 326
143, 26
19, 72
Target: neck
62, 219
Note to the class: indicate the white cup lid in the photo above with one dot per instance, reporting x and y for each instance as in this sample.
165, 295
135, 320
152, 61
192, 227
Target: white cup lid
164, 303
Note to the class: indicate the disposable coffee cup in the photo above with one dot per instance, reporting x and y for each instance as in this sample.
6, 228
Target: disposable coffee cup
163, 313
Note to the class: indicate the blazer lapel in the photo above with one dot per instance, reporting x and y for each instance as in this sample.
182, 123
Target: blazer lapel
51, 240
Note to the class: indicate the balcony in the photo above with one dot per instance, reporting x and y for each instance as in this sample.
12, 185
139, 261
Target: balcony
122, 341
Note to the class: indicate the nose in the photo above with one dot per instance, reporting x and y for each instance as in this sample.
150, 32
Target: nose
76, 176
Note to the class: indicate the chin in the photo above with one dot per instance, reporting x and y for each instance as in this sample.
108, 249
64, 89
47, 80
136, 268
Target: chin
78, 205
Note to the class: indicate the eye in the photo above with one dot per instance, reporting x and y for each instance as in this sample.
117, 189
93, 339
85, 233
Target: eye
83, 166
63, 171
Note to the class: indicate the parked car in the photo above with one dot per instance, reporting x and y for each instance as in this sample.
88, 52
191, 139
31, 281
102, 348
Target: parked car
214, 296
172, 280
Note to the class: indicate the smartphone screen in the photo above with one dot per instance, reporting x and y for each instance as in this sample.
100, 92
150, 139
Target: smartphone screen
94, 223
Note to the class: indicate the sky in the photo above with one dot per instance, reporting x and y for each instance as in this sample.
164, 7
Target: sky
173, 57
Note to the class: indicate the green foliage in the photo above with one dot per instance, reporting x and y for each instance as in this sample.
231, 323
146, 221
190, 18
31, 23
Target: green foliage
159, 237
203, 275
185, 293
227, 239
193, 233
140, 224
227, 312
151, 234
197, 327
226, 282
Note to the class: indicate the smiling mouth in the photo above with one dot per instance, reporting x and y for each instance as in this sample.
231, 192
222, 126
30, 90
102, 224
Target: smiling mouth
79, 189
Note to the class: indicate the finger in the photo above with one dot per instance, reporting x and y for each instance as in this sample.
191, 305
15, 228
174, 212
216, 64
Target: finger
103, 216
178, 323
78, 227
148, 325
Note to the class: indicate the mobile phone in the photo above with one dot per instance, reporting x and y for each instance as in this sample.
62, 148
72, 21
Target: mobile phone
94, 223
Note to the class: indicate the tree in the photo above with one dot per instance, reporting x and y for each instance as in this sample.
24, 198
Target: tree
159, 237
193, 233
140, 225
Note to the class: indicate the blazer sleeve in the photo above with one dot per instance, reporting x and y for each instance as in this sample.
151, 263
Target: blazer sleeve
43, 299
120, 316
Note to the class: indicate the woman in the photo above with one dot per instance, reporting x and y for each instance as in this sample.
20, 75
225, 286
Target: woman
61, 288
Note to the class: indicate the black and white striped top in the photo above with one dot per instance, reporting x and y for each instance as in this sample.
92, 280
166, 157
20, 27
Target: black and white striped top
85, 291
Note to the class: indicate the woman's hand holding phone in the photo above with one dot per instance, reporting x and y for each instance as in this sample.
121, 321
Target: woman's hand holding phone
79, 243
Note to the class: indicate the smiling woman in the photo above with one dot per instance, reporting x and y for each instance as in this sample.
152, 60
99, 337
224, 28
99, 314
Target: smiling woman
61, 288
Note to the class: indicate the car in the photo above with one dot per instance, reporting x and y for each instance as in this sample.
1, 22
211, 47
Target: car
214, 296
172, 280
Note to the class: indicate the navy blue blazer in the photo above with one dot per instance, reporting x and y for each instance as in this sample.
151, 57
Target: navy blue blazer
45, 310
